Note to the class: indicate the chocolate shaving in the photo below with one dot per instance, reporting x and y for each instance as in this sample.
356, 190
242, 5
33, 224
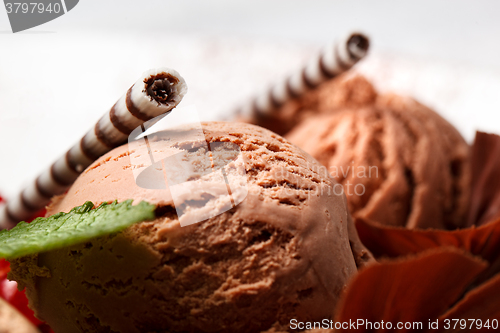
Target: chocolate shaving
412, 290
394, 242
481, 303
485, 203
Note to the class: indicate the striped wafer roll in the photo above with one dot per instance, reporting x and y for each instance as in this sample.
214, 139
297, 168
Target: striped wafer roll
155, 94
332, 61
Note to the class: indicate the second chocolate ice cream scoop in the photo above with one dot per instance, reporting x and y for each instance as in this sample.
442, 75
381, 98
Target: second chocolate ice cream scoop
400, 163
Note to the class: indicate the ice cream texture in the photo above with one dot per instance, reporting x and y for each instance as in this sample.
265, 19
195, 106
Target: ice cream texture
286, 251
400, 163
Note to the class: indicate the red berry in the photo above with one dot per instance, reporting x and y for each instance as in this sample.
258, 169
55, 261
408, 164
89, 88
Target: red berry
9, 292
4, 268
18, 299
40, 213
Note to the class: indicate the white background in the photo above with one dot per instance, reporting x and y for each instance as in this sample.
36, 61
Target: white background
57, 79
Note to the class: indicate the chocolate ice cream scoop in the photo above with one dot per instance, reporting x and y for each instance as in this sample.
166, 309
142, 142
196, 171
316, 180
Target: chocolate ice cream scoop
286, 251
400, 163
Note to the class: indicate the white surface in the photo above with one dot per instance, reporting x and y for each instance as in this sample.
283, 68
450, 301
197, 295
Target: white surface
56, 80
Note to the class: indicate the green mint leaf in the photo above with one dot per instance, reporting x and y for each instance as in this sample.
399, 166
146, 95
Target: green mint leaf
64, 229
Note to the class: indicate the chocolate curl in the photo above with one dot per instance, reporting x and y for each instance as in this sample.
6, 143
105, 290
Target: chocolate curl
156, 93
481, 303
394, 242
334, 60
412, 290
485, 203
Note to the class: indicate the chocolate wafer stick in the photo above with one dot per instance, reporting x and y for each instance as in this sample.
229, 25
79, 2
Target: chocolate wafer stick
155, 94
334, 60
